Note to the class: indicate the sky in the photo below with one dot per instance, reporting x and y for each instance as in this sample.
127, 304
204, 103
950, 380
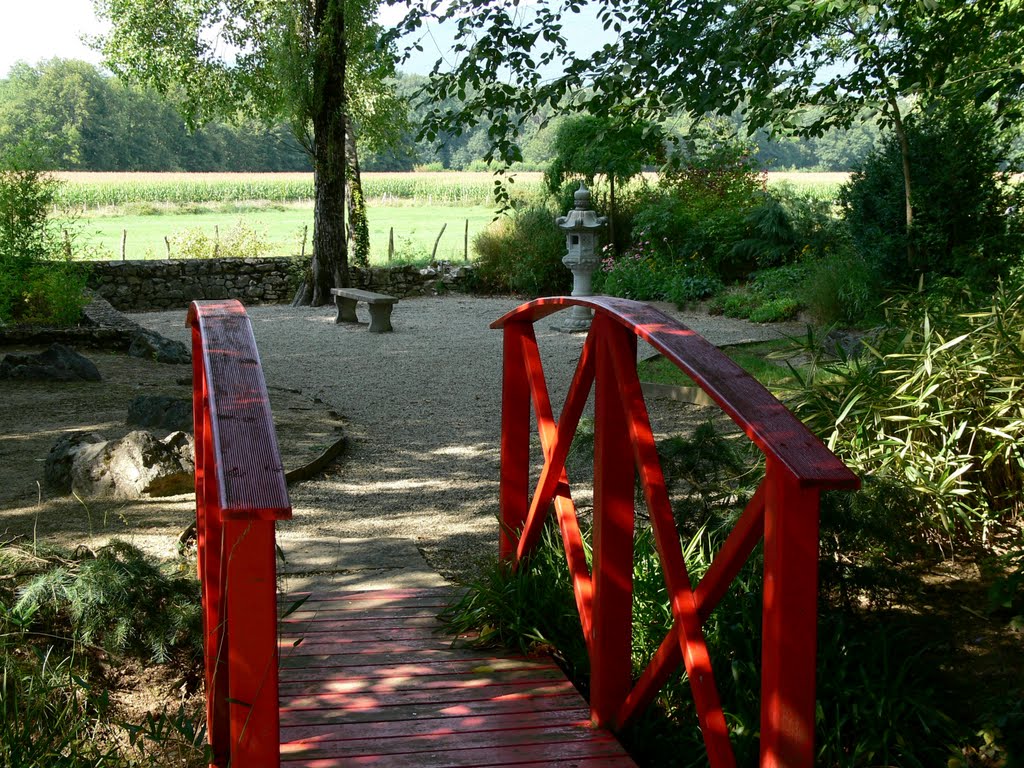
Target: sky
36, 30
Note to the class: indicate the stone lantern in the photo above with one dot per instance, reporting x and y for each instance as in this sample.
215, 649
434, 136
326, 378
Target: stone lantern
581, 226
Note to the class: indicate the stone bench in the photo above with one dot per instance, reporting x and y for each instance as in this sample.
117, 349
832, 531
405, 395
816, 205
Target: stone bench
380, 305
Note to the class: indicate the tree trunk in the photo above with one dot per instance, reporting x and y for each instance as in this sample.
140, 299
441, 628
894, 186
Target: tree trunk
358, 230
611, 214
329, 265
901, 136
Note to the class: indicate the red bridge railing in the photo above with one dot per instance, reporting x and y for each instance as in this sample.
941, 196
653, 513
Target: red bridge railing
784, 512
240, 492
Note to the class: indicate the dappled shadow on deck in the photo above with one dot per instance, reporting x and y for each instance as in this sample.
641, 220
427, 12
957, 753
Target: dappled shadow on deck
367, 678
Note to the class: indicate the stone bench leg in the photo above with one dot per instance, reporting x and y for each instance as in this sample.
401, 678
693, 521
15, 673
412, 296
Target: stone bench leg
346, 310
380, 318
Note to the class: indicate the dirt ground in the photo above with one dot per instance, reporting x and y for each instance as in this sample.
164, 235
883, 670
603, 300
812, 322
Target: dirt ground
33, 415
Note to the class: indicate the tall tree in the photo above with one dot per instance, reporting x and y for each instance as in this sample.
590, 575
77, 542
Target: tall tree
273, 60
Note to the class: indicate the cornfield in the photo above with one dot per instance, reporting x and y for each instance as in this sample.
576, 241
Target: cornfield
97, 190
84, 191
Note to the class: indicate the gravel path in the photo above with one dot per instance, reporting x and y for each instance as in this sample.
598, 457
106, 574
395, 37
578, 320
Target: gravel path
422, 412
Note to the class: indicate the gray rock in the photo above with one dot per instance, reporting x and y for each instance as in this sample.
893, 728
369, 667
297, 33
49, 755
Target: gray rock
161, 412
153, 346
136, 465
58, 363
57, 470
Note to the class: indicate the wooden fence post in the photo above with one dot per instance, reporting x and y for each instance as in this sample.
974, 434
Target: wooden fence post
433, 254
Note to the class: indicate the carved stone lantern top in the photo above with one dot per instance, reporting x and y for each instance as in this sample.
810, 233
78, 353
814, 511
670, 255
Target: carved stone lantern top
582, 218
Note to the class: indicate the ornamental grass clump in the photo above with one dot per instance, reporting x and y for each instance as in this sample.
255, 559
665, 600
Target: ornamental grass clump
934, 402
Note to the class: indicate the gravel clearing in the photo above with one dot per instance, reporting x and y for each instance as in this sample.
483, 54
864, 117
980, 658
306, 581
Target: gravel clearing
421, 408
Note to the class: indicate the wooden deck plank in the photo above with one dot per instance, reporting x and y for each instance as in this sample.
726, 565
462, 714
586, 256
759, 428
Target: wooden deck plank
367, 680
365, 651
397, 698
468, 681
386, 712
559, 753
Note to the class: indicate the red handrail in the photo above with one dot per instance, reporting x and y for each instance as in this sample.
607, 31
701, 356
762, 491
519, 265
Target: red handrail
783, 511
240, 492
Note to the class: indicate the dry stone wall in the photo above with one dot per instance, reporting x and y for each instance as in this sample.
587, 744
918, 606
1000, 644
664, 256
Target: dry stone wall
172, 283
132, 286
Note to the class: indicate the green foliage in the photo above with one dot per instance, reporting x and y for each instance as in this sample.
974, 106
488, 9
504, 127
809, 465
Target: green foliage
48, 712
590, 146
38, 283
237, 242
55, 709
959, 190
522, 253
84, 119
700, 212
764, 58
771, 296
934, 403
877, 704
529, 609
641, 274
121, 600
843, 288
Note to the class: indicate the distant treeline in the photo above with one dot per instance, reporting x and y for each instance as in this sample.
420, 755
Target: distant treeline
84, 119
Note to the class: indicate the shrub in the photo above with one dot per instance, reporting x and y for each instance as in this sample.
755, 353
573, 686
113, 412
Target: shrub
121, 600
892, 717
959, 191
771, 296
843, 287
49, 713
522, 253
54, 708
786, 226
239, 241
38, 282
934, 403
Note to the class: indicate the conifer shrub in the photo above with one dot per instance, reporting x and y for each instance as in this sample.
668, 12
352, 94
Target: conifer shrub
962, 196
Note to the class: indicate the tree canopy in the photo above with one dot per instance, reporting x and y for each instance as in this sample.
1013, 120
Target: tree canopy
793, 66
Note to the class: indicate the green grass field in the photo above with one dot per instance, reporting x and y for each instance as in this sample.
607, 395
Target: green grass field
154, 206
416, 228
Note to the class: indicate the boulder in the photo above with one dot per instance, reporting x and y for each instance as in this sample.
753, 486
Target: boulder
57, 471
153, 346
58, 363
161, 412
136, 465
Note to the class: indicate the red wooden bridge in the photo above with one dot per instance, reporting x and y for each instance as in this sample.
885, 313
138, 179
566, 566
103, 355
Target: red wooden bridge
365, 678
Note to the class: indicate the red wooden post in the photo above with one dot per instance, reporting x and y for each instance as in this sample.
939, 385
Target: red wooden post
240, 492
513, 501
611, 660
251, 600
789, 643
209, 542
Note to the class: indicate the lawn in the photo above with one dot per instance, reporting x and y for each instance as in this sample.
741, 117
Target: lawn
416, 227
